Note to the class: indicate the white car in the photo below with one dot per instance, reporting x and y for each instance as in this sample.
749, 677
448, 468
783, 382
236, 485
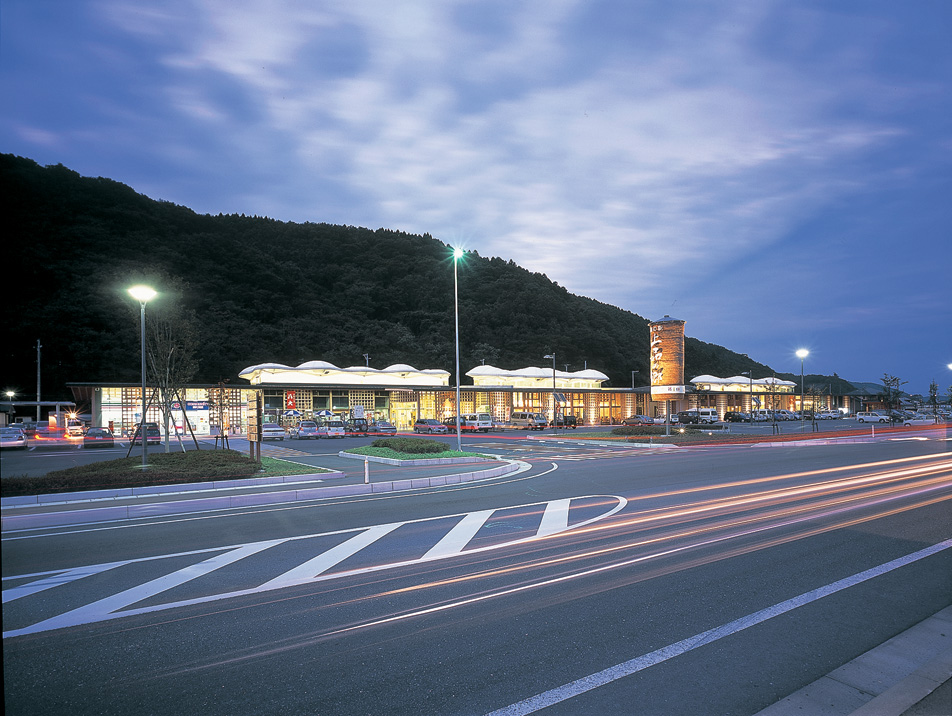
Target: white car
872, 417
272, 431
919, 420
331, 429
12, 438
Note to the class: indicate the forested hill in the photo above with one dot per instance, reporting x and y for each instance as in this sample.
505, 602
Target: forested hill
269, 291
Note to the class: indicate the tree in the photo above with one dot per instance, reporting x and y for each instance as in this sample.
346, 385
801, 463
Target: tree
171, 346
892, 391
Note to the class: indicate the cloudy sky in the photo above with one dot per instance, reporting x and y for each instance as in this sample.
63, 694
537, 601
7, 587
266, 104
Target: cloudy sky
776, 173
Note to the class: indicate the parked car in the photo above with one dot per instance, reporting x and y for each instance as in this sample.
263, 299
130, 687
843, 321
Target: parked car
637, 420
153, 436
429, 425
671, 419
13, 438
332, 429
735, 416
919, 420
566, 421
357, 425
869, 416
98, 437
478, 422
272, 431
698, 416
382, 427
306, 430
529, 421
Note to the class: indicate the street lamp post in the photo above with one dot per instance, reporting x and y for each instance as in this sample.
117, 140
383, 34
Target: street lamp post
801, 354
457, 255
750, 376
143, 294
554, 422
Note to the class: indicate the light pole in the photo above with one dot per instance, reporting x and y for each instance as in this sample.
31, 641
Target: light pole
801, 354
143, 294
750, 377
552, 356
457, 255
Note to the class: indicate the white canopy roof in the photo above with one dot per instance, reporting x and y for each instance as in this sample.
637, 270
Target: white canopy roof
317, 372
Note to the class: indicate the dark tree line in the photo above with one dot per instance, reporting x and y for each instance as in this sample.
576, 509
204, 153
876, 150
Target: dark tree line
262, 290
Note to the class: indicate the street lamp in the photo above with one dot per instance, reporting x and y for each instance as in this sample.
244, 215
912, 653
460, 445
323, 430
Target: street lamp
457, 255
750, 376
552, 356
801, 354
143, 294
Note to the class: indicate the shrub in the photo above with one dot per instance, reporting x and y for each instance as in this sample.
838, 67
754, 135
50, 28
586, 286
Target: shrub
164, 469
412, 446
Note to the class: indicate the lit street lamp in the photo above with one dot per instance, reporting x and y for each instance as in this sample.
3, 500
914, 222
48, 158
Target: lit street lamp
552, 356
457, 255
143, 294
750, 376
801, 354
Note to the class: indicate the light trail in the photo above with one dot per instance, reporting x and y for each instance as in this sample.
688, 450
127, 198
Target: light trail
657, 550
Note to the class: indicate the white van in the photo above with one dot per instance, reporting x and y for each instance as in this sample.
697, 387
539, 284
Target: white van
871, 416
528, 421
477, 422
707, 415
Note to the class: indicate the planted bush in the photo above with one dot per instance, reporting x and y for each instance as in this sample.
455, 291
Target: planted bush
164, 469
412, 446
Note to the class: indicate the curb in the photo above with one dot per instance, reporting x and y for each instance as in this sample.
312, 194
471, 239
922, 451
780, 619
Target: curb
119, 512
421, 462
885, 681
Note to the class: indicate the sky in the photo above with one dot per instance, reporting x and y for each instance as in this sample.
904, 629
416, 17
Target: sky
777, 173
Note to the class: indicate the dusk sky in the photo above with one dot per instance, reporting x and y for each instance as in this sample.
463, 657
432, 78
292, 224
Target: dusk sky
776, 173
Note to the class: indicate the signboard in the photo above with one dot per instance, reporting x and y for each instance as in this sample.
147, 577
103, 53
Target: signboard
666, 360
290, 400
358, 411
667, 390
254, 418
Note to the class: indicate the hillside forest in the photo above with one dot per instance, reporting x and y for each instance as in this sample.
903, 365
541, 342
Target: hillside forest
255, 290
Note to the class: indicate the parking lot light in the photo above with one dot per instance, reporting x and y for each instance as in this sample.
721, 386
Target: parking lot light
143, 294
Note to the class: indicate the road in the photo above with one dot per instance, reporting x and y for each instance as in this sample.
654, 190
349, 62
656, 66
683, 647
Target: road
689, 581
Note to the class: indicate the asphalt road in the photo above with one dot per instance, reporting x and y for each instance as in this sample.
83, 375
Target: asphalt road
603, 579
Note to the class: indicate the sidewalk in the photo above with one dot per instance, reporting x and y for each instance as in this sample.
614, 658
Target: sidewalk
909, 675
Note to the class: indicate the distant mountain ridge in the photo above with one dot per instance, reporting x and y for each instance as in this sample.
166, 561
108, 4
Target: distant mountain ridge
263, 290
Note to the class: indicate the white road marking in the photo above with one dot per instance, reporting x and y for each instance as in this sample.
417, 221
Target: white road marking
457, 538
321, 563
313, 569
633, 666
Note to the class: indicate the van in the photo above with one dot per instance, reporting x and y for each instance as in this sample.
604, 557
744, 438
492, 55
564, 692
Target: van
477, 422
528, 421
872, 417
699, 415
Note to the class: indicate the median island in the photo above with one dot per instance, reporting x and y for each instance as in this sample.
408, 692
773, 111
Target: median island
164, 469
405, 449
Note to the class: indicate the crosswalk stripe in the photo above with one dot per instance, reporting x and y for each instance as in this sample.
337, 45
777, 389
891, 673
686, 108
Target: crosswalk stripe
459, 536
555, 518
109, 605
322, 562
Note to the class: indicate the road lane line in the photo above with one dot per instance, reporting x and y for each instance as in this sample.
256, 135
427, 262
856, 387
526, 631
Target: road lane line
457, 538
633, 666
